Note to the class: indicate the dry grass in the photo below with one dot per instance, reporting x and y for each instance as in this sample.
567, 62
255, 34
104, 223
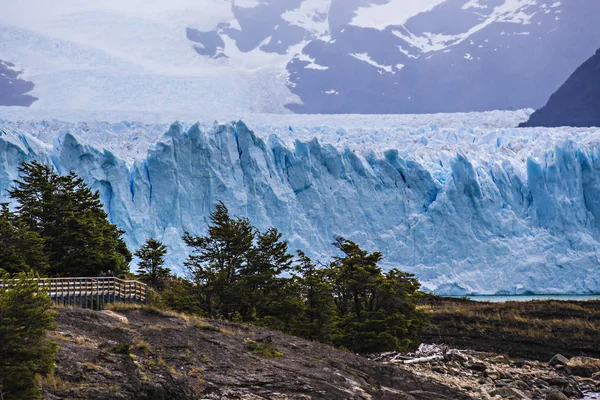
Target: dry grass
142, 345
202, 325
540, 317
60, 336
124, 307
559, 322
91, 366
199, 322
54, 382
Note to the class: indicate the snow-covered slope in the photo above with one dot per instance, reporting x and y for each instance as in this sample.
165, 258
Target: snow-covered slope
478, 209
191, 58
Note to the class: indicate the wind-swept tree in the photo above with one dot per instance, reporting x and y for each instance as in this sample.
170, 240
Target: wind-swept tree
377, 311
262, 281
78, 238
240, 272
217, 260
151, 267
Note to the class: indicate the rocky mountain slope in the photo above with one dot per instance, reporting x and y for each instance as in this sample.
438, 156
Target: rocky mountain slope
140, 354
576, 103
226, 57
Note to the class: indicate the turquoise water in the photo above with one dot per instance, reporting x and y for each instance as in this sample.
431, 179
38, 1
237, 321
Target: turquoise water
502, 299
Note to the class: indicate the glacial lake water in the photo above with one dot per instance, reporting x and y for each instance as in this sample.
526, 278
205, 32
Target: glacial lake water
502, 299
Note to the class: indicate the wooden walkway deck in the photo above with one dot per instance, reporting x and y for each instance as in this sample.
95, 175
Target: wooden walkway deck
93, 293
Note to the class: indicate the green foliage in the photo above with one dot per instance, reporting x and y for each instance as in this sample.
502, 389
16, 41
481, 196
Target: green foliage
21, 249
238, 270
245, 275
25, 317
318, 311
78, 238
376, 310
264, 349
181, 296
122, 348
151, 268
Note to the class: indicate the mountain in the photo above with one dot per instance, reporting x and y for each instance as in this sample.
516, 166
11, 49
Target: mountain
13, 91
223, 58
466, 206
576, 103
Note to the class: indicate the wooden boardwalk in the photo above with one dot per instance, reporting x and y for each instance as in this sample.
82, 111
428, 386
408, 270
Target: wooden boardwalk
93, 293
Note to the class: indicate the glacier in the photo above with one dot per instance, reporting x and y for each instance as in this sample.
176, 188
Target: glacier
466, 202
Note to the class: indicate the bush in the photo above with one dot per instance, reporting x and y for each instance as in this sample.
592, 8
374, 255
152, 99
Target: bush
25, 317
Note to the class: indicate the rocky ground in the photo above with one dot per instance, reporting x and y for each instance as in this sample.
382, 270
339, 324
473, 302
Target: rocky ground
133, 353
149, 354
491, 376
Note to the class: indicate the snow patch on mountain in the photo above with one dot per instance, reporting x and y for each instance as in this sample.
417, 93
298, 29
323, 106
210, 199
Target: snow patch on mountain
393, 13
312, 16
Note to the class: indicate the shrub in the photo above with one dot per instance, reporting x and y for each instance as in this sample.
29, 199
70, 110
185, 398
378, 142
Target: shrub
25, 318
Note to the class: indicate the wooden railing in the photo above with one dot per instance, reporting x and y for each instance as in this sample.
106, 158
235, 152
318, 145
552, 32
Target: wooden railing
93, 293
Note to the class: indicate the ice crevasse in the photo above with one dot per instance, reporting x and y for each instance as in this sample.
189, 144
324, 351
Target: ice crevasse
469, 212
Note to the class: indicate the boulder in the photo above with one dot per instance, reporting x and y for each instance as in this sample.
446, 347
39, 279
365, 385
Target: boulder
478, 366
556, 380
510, 394
519, 384
556, 396
558, 359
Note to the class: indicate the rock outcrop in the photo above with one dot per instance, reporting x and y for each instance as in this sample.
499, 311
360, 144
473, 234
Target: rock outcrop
576, 103
489, 376
141, 354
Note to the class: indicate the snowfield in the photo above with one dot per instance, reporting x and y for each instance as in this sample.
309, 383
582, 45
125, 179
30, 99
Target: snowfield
468, 203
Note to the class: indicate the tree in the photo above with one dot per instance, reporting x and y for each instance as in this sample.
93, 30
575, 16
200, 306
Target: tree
25, 317
217, 260
180, 295
243, 274
377, 311
316, 292
240, 272
261, 283
20, 248
151, 267
78, 238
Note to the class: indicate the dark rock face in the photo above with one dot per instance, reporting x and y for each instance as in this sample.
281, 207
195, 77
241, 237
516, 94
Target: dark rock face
576, 103
208, 43
13, 91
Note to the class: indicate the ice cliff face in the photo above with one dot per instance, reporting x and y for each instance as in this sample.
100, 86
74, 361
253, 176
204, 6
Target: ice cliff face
467, 210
